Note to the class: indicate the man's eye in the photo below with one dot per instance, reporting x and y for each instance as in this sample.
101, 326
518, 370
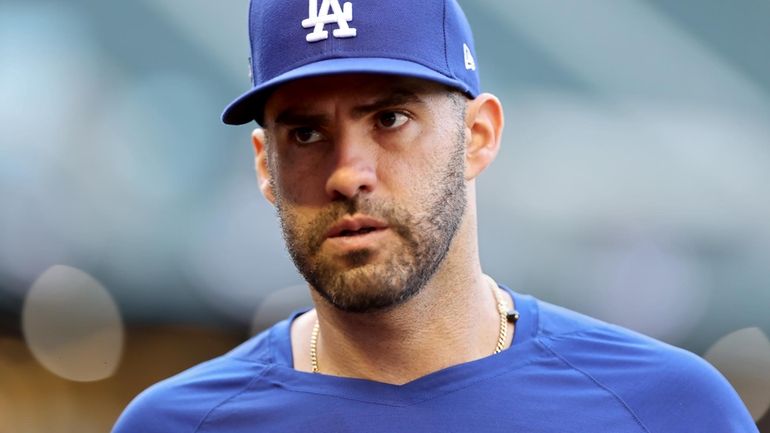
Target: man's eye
391, 120
307, 135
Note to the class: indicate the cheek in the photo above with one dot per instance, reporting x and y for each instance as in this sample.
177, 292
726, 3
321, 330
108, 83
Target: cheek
298, 180
298, 189
418, 160
288, 191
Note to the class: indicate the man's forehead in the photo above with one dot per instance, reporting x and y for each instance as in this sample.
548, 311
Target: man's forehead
349, 89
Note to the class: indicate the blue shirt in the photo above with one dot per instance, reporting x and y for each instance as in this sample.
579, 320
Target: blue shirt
564, 372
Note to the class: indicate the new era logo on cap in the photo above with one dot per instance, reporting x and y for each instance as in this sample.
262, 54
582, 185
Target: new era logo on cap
470, 63
330, 13
296, 39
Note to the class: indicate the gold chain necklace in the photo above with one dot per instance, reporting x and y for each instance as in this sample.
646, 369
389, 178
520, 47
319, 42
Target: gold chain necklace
502, 335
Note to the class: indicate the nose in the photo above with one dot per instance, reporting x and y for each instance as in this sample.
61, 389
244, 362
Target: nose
354, 170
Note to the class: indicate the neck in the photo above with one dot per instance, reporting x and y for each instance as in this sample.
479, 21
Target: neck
453, 320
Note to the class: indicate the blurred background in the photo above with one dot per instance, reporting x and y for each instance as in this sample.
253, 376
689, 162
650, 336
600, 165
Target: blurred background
633, 185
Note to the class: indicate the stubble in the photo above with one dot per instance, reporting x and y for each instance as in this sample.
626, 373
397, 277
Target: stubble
362, 282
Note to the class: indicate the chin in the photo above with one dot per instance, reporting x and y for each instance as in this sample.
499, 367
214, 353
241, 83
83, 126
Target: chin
365, 288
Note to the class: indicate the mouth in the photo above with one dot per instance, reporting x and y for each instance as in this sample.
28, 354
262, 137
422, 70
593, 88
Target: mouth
363, 231
358, 225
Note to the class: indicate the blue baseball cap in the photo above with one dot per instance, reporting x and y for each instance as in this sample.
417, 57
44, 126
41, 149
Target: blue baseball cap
292, 39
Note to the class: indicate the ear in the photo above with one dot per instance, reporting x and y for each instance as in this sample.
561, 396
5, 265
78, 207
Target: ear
484, 120
260, 163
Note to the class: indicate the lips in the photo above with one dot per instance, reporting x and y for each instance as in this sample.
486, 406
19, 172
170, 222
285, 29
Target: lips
355, 226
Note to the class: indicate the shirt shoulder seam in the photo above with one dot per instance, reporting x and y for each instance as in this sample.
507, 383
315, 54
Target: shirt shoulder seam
225, 400
575, 332
597, 383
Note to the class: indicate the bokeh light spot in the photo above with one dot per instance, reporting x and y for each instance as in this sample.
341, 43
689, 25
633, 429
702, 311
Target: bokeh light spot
744, 358
279, 304
72, 325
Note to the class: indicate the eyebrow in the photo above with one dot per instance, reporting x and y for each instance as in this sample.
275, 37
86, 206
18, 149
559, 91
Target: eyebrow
293, 116
397, 97
290, 117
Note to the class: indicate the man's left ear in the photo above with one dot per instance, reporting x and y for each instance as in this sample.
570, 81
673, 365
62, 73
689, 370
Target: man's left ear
484, 120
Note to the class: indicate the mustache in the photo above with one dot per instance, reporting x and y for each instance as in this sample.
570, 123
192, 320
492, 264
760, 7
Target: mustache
317, 228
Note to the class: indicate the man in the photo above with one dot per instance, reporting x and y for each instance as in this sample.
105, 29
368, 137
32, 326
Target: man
374, 131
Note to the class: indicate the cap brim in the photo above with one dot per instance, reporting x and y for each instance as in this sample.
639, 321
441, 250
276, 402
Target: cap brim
250, 105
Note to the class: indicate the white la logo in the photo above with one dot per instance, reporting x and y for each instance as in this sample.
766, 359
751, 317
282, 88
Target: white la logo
318, 18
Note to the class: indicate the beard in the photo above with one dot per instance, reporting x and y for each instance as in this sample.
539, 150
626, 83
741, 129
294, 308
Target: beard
423, 240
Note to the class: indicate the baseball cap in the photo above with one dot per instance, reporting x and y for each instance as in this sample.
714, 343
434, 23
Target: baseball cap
293, 39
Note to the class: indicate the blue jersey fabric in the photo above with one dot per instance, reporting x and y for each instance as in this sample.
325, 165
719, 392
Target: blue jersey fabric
564, 372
